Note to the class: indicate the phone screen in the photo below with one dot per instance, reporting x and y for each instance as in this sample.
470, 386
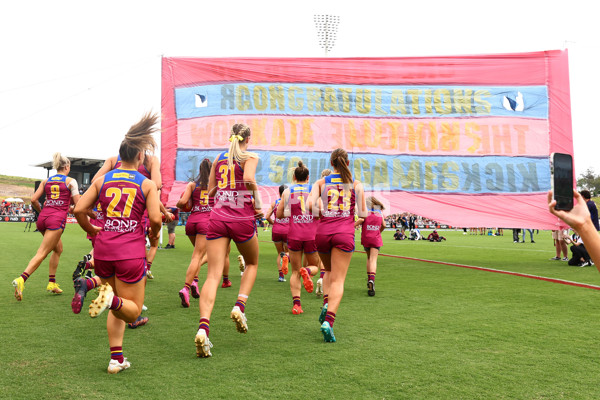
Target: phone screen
562, 180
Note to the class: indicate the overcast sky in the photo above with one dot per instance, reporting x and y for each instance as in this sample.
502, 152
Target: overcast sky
75, 74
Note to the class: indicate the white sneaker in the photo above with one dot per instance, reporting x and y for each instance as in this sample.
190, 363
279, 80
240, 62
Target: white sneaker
115, 367
242, 263
241, 323
203, 344
103, 301
319, 289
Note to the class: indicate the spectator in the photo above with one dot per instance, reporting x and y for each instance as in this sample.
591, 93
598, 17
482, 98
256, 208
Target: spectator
580, 257
591, 207
171, 227
560, 245
435, 237
415, 234
399, 235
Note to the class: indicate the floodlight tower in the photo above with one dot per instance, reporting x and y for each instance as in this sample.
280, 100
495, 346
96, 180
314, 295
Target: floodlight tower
327, 26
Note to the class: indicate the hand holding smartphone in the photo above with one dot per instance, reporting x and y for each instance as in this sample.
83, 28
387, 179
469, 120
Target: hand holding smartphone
561, 166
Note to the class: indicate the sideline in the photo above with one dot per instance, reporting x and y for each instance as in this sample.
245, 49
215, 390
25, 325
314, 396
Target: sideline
499, 271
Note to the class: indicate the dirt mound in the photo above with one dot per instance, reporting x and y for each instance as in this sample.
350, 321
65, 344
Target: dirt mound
22, 192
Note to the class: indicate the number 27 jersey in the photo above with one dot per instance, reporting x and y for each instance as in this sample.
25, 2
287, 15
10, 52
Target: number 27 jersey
123, 201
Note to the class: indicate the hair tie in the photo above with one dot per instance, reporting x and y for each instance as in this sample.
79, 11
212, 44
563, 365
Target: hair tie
240, 138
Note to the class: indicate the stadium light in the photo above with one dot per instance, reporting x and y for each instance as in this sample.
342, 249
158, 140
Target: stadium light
327, 26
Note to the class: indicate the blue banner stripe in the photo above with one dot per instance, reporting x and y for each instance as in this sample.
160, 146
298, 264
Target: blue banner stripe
361, 101
434, 174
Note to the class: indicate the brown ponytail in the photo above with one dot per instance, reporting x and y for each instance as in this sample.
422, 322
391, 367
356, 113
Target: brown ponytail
301, 172
203, 173
339, 161
139, 138
373, 203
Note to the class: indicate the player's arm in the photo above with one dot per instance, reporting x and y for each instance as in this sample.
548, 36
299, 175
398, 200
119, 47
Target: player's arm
108, 165
361, 203
153, 207
85, 203
35, 199
382, 227
250, 182
212, 179
269, 215
283, 208
314, 198
155, 174
186, 196
74, 188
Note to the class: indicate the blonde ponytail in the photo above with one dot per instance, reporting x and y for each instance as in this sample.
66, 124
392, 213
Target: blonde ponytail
59, 161
239, 133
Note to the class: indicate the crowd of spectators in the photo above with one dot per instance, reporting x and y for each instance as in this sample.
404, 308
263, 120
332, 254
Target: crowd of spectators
407, 220
12, 209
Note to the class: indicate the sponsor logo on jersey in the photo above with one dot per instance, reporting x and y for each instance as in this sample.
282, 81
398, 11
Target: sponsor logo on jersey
120, 225
232, 198
124, 175
303, 219
54, 203
338, 214
373, 227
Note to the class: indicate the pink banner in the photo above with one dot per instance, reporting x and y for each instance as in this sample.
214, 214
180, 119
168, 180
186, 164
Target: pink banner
463, 140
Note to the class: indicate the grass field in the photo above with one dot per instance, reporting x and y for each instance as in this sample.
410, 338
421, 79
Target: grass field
432, 331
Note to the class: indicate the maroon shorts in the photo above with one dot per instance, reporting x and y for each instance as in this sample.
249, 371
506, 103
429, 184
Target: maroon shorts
342, 241
279, 237
307, 246
50, 222
238, 231
128, 271
196, 228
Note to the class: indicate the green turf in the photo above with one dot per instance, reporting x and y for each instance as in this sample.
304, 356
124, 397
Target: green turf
431, 332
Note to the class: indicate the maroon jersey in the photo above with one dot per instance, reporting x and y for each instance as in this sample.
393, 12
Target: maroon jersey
58, 196
201, 205
233, 202
371, 233
123, 203
338, 203
303, 226
280, 225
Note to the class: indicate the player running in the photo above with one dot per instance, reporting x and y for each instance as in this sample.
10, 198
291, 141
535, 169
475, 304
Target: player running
279, 235
120, 251
301, 236
60, 192
370, 238
237, 205
335, 197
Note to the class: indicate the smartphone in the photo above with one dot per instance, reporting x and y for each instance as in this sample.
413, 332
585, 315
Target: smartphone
561, 166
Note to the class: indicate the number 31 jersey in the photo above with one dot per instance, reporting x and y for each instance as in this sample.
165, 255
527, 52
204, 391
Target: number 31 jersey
233, 202
123, 201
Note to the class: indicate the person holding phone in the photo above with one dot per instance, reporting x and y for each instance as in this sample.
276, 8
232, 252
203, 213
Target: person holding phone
579, 219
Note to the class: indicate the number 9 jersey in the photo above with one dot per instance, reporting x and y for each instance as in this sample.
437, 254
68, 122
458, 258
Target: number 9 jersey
123, 201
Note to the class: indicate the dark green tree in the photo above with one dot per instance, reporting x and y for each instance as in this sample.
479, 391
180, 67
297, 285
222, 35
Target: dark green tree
590, 181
